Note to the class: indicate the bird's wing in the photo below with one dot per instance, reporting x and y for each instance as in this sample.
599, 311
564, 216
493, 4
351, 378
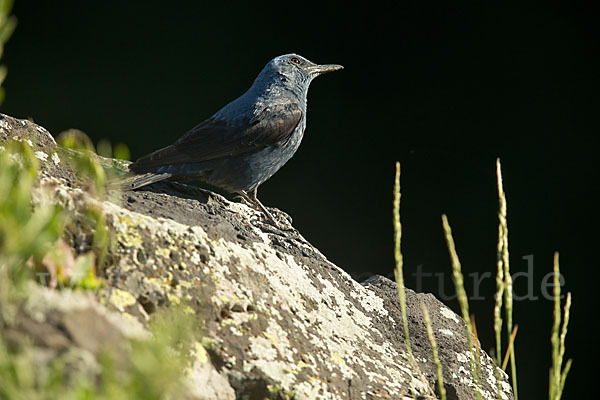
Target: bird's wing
273, 125
215, 138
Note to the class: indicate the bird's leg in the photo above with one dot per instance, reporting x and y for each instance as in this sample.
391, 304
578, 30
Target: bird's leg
254, 198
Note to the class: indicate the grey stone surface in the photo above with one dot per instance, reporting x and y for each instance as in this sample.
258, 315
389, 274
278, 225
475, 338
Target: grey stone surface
285, 322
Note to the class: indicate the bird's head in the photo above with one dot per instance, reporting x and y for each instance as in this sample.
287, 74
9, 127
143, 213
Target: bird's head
296, 70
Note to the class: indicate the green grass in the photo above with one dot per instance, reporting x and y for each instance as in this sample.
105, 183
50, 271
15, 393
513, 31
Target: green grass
503, 302
506, 286
150, 369
463, 300
26, 235
7, 27
558, 373
436, 359
30, 242
399, 275
399, 272
94, 170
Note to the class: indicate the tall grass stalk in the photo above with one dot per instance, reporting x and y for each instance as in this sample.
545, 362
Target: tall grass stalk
398, 272
399, 275
434, 350
477, 345
464, 303
558, 374
508, 290
502, 238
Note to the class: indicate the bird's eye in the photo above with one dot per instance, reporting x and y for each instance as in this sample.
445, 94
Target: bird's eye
295, 60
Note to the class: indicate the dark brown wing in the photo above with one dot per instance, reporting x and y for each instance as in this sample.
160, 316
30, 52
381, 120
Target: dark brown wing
215, 138
273, 126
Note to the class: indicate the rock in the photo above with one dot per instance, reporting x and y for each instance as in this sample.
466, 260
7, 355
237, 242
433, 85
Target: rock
452, 345
284, 322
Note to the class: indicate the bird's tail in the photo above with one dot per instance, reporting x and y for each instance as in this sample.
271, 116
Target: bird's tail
147, 179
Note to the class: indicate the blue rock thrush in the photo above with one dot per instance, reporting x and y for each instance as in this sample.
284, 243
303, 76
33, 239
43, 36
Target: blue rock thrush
245, 142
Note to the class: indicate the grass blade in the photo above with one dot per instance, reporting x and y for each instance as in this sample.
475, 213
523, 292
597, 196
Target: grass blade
463, 301
436, 359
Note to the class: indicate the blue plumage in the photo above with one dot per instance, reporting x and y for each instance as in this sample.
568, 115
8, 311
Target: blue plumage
248, 140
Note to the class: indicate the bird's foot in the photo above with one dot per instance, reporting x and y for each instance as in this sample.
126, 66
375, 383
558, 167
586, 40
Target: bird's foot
283, 221
282, 215
245, 201
253, 202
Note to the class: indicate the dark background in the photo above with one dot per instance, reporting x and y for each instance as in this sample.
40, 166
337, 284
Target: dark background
445, 89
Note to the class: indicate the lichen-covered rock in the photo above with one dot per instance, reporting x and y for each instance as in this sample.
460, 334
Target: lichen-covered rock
283, 321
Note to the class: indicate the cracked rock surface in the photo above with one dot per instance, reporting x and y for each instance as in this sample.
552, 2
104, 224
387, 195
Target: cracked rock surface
285, 322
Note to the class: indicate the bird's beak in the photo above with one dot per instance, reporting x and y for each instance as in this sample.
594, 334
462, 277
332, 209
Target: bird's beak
322, 69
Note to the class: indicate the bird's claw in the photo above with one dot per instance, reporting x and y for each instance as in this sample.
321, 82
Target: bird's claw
282, 215
286, 226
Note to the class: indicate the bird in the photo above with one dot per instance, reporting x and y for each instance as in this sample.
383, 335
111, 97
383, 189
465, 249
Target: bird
245, 142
